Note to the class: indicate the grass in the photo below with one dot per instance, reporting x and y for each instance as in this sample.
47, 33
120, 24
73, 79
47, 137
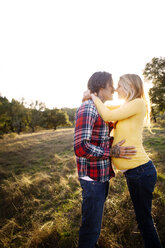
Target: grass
40, 196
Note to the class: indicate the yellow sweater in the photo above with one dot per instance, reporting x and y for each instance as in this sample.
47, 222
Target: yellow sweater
130, 117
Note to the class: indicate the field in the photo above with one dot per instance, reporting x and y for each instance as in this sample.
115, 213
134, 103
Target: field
40, 196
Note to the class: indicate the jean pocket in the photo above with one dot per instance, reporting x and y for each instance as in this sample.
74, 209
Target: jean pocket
152, 178
86, 188
133, 175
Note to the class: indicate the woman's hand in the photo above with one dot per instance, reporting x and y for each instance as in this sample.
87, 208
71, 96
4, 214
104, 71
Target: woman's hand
86, 95
93, 96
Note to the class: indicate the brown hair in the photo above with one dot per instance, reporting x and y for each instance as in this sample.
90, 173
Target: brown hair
99, 80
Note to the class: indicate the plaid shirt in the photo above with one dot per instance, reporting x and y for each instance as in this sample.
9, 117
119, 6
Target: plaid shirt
92, 144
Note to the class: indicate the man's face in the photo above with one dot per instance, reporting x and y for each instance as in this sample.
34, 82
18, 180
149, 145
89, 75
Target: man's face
107, 93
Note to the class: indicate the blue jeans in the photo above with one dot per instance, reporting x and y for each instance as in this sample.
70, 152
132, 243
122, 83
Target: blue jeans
141, 182
94, 195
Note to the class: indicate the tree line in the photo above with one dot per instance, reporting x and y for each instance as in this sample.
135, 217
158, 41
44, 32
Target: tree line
15, 117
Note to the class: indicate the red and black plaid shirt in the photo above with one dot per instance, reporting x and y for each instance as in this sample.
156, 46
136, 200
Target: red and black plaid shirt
92, 144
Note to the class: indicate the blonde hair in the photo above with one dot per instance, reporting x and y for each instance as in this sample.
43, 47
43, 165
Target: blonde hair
134, 88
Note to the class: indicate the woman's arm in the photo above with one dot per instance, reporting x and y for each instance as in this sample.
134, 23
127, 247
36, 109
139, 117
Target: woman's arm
126, 110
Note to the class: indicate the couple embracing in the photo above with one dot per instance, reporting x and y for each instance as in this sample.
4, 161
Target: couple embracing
95, 149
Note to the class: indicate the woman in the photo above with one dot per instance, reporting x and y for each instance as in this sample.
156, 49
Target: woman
139, 171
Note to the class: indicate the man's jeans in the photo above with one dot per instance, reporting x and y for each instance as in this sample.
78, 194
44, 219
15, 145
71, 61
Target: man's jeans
94, 195
141, 182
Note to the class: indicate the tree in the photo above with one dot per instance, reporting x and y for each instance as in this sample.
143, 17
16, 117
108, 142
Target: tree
155, 72
71, 113
55, 117
4, 115
35, 114
17, 116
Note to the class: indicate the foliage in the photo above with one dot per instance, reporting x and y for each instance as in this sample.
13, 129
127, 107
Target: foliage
15, 117
4, 115
155, 72
55, 117
71, 113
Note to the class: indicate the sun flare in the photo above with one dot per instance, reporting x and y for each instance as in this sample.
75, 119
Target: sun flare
115, 101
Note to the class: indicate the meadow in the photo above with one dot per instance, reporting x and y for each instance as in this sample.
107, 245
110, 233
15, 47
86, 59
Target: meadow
40, 195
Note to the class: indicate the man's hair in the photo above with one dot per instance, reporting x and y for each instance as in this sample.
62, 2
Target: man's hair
99, 80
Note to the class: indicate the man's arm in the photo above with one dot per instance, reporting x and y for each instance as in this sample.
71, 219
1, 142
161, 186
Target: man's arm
85, 120
119, 151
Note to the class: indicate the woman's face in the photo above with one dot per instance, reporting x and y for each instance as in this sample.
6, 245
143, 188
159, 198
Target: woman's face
120, 90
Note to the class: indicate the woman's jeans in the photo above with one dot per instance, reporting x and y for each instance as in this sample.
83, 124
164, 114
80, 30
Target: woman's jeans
94, 195
141, 182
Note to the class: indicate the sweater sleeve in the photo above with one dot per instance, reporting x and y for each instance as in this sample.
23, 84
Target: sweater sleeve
123, 112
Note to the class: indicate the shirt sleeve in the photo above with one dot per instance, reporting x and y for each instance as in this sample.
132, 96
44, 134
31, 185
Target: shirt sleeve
123, 112
85, 120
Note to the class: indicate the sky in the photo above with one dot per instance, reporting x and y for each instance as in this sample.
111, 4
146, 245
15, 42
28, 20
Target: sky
49, 49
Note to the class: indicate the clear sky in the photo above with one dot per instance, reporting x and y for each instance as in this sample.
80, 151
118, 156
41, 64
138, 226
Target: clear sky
49, 49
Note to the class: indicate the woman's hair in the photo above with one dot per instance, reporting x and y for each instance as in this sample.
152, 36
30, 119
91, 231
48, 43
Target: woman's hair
99, 80
134, 88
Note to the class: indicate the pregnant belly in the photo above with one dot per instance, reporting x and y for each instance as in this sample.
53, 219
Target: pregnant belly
124, 164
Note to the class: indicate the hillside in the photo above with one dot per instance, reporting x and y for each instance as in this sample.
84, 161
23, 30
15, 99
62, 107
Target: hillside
40, 196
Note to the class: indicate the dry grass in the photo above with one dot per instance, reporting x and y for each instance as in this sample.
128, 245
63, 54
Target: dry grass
38, 188
40, 196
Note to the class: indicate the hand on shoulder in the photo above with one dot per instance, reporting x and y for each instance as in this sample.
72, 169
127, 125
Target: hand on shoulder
86, 95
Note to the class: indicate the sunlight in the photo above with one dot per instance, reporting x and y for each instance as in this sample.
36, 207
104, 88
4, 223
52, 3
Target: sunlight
116, 101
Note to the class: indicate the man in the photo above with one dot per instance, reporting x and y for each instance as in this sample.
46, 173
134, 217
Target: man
92, 145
